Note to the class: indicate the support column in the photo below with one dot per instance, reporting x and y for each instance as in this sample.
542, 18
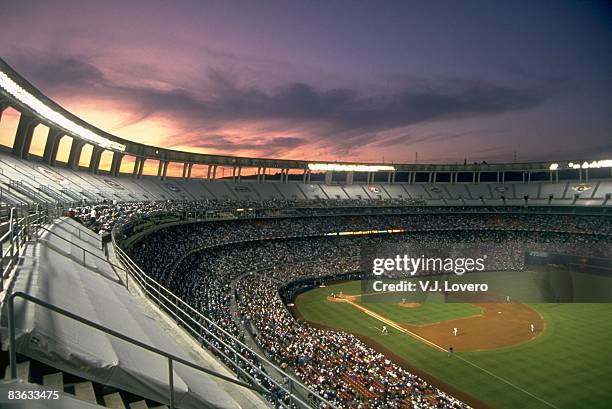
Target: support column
160, 166
189, 168
23, 136
116, 163
214, 173
388, 178
185, 166
239, 173
75, 153
141, 168
263, 175
137, 160
94, 163
53, 139
162, 169
304, 176
349, 178
208, 173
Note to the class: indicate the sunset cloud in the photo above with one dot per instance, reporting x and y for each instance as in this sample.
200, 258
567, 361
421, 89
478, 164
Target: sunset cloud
340, 119
340, 81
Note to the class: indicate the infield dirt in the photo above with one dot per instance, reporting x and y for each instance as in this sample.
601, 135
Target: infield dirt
498, 325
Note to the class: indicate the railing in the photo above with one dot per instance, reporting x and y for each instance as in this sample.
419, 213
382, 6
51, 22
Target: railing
170, 357
71, 194
222, 342
54, 195
23, 224
86, 252
29, 191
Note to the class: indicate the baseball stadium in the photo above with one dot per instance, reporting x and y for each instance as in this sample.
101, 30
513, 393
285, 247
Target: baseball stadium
139, 274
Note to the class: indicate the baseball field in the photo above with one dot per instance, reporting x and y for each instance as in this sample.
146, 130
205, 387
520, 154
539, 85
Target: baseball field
499, 361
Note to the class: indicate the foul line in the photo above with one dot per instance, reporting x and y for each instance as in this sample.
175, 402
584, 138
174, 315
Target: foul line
394, 325
508, 382
404, 330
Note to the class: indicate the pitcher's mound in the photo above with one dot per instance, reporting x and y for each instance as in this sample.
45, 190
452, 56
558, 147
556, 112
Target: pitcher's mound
409, 304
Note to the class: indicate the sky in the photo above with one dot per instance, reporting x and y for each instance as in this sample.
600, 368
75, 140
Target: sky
393, 81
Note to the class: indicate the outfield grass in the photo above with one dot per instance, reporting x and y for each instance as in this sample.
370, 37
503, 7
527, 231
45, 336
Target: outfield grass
568, 366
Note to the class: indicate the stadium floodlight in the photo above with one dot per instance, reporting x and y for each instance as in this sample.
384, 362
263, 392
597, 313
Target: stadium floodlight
336, 167
598, 164
33, 103
554, 166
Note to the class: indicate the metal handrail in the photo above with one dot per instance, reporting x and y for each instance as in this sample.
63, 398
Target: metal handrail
85, 251
159, 293
171, 358
181, 321
19, 230
12, 252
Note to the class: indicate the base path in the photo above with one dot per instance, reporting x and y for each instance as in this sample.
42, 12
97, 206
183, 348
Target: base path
386, 321
499, 325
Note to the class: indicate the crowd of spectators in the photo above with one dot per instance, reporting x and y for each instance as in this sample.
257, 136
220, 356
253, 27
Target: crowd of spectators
231, 271
335, 364
102, 217
201, 235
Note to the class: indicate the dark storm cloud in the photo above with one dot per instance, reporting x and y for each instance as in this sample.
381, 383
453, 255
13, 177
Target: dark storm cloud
223, 143
343, 117
53, 70
405, 138
347, 109
598, 152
